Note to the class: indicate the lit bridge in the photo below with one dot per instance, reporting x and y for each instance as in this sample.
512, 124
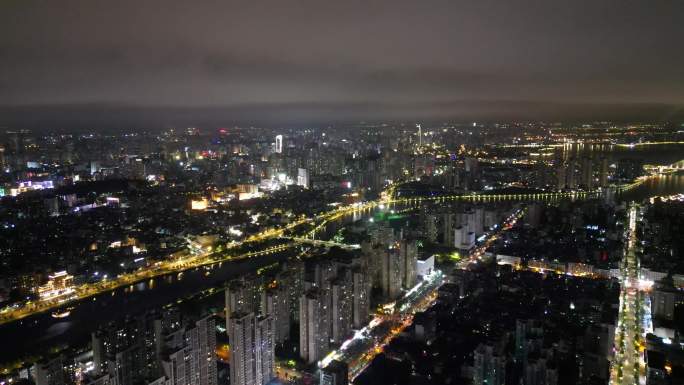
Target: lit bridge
318, 242
322, 220
654, 172
665, 169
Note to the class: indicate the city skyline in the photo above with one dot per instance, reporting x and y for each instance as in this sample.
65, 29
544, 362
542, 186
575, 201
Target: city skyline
341, 192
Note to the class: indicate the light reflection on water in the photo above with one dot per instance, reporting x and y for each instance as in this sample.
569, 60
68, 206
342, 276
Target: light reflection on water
656, 154
55, 330
650, 153
662, 185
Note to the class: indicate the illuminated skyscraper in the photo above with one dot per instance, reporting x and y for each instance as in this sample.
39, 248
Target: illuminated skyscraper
303, 177
252, 360
409, 258
341, 306
264, 348
202, 341
279, 144
420, 135
360, 297
242, 359
192, 359
314, 325
391, 273
275, 302
242, 296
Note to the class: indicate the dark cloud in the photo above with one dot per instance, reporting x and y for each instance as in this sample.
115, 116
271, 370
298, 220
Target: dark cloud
347, 59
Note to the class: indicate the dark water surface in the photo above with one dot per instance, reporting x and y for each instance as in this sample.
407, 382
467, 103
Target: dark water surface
37, 334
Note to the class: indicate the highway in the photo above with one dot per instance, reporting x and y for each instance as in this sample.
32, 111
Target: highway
628, 366
360, 350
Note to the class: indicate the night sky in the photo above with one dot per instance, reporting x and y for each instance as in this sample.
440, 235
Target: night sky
288, 61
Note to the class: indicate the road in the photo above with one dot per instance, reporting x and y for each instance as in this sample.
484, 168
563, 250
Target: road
628, 364
360, 350
158, 269
312, 226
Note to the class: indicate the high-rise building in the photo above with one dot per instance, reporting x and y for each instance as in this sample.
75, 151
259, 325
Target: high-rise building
106, 379
473, 173
336, 373
264, 348
491, 218
664, 299
598, 351
252, 360
474, 220
314, 324
448, 225
127, 353
242, 358
303, 177
3, 162
202, 341
603, 173
97, 346
382, 234
391, 276
292, 279
275, 302
452, 178
430, 226
464, 240
534, 214
420, 135
324, 271
540, 372
124, 366
242, 296
629, 169
360, 298
52, 206
409, 259
190, 355
341, 306
49, 372
489, 366
178, 367
279, 144
528, 339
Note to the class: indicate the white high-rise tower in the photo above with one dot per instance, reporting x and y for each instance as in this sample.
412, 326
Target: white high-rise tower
420, 135
252, 343
279, 144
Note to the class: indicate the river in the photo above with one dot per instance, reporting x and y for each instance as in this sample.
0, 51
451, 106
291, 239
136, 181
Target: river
35, 334
659, 154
